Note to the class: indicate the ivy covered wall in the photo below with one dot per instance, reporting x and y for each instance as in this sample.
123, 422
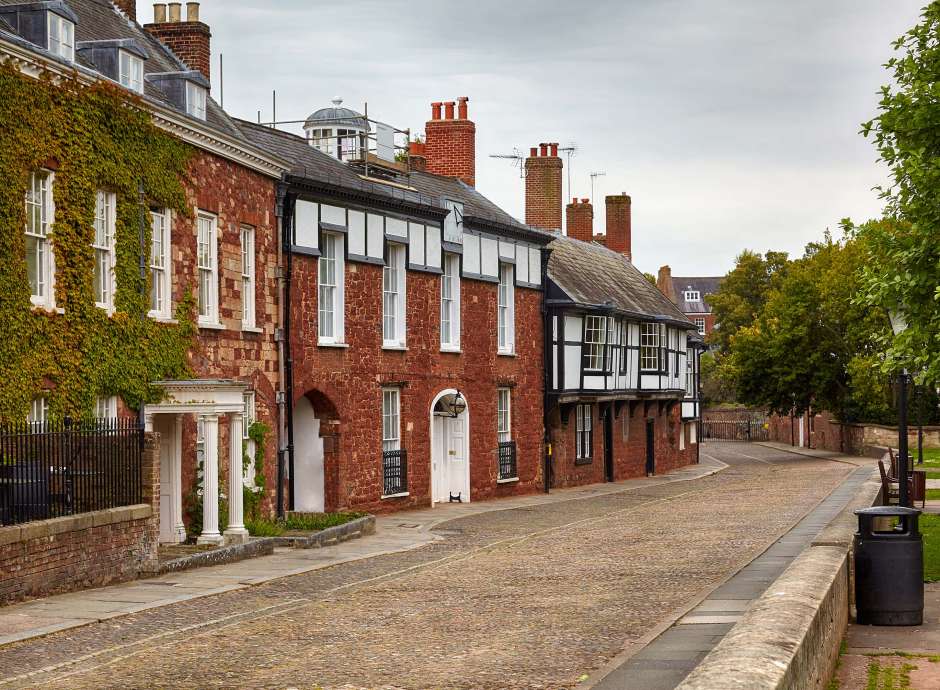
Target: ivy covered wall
95, 139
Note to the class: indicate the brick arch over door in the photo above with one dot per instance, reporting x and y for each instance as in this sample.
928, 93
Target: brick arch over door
316, 450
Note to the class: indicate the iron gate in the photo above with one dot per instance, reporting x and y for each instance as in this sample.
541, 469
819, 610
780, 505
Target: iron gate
756, 429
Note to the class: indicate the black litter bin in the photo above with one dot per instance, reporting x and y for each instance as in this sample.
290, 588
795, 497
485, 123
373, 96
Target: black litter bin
889, 567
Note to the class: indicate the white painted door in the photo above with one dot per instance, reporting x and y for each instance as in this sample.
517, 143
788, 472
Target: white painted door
165, 425
309, 495
455, 460
438, 453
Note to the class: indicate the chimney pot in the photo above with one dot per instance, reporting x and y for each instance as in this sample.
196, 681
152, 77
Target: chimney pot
543, 149
174, 12
159, 13
190, 42
449, 110
574, 201
585, 201
462, 107
554, 148
192, 11
533, 152
436, 110
450, 144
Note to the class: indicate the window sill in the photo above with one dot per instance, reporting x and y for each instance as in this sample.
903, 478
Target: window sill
403, 494
396, 348
583, 461
159, 318
252, 329
49, 309
507, 480
506, 353
329, 344
211, 326
451, 350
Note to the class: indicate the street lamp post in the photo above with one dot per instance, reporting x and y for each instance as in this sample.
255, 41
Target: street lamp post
898, 325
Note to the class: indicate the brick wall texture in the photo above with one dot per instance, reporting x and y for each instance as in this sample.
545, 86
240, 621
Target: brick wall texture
580, 220
543, 200
619, 228
344, 385
85, 550
189, 41
629, 443
236, 196
450, 148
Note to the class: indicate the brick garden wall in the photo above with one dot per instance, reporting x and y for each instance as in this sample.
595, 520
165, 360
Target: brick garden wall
237, 196
344, 384
629, 444
86, 550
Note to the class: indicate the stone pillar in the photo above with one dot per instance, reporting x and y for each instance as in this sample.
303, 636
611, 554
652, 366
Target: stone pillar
210, 481
150, 494
235, 533
175, 458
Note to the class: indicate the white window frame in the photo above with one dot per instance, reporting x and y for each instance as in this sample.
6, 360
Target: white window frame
106, 407
506, 311
248, 418
207, 268
503, 415
690, 373
699, 324
651, 339
42, 210
584, 432
331, 289
160, 266
195, 100
104, 247
394, 297
595, 341
692, 296
391, 419
130, 71
249, 285
61, 36
38, 411
450, 303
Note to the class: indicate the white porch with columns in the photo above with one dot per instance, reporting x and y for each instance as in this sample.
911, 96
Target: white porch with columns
208, 400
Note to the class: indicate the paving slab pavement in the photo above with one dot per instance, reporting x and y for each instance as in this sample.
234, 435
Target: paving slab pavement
396, 532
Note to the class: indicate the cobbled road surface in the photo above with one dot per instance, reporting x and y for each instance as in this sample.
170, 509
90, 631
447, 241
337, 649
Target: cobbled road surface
535, 597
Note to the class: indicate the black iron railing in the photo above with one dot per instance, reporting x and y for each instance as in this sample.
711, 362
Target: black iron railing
51, 469
507, 460
736, 429
394, 472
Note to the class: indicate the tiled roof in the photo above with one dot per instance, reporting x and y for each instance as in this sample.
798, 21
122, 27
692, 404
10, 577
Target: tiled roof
100, 20
704, 285
425, 188
591, 274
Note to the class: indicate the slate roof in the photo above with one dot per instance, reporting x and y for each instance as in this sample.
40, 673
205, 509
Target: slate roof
100, 20
591, 274
705, 286
426, 188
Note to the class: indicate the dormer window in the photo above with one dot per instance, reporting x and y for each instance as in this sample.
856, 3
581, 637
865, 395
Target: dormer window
195, 100
692, 296
132, 72
61, 37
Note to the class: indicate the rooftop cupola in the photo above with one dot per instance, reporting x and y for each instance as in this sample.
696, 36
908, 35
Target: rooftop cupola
337, 131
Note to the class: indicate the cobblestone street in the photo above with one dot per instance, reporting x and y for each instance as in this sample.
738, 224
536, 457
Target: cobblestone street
535, 597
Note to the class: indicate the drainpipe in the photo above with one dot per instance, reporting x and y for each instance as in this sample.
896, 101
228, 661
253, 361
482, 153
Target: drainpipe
547, 364
285, 210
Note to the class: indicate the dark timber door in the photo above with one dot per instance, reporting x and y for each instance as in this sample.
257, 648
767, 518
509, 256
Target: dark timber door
650, 447
608, 445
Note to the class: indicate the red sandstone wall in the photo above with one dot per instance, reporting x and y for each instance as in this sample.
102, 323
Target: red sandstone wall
345, 383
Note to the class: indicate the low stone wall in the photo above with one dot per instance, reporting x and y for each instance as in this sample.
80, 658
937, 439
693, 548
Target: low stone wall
824, 432
790, 636
85, 550
331, 535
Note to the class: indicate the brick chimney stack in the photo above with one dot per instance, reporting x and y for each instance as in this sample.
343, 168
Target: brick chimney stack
188, 40
664, 283
128, 7
416, 158
580, 217
618, 224
543, 199
450, 143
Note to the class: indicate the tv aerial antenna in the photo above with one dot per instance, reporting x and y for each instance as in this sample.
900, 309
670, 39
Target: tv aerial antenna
518, 161
570, 150
594, 176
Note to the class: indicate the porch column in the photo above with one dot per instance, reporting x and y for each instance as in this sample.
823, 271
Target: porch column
176, 480
210, 481
236, 532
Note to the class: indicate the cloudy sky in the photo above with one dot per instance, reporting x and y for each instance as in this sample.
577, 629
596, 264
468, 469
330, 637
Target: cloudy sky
732, 123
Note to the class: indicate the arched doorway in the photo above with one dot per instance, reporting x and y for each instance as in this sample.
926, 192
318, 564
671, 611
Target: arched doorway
309, 485
450, 449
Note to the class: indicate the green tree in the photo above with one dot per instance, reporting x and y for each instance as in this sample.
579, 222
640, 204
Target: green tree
903, 266
743, 292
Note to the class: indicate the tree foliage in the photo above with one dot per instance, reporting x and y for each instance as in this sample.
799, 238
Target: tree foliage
903, 260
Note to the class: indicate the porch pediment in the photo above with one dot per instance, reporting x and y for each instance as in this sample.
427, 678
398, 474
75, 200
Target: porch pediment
199, 396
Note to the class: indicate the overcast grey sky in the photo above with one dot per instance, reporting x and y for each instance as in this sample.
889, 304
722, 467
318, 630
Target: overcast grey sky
732, 123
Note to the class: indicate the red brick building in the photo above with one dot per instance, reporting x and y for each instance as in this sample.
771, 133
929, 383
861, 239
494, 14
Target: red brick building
690, 295
415, 333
